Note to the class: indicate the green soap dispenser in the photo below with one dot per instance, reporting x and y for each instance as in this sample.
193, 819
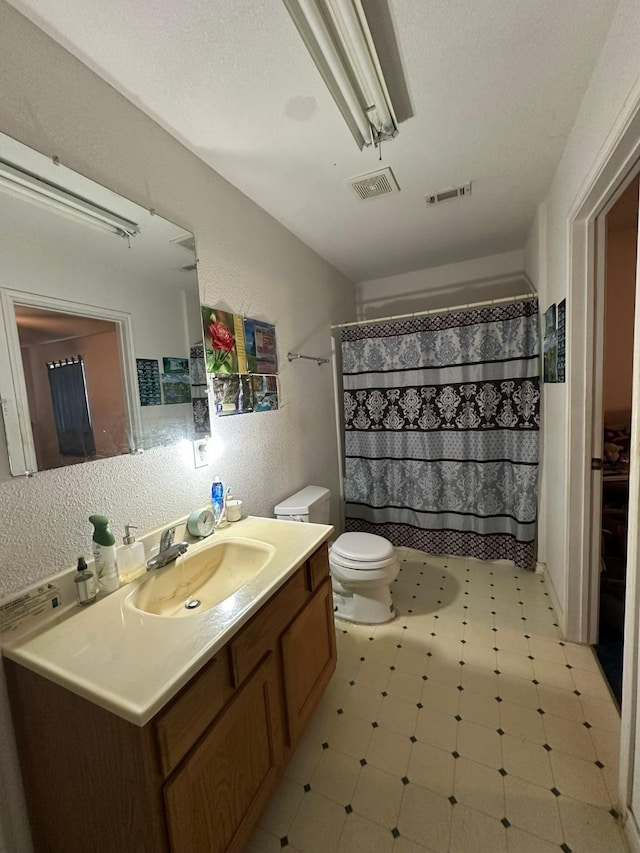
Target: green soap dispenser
104, 554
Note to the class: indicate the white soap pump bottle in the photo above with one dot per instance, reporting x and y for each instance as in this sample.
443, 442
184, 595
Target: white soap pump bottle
131, 559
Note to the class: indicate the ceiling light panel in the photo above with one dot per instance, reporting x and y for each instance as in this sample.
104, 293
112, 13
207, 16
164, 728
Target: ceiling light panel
338, 38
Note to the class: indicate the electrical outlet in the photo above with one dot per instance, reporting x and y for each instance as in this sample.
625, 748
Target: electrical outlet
200, 452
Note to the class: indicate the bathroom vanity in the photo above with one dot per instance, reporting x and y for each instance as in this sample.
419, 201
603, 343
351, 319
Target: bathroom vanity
179, 743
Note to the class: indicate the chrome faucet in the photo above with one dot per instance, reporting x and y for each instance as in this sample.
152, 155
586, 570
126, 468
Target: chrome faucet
169, 550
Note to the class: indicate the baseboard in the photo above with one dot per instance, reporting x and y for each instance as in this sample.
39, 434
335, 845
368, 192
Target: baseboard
549, 587
631, 832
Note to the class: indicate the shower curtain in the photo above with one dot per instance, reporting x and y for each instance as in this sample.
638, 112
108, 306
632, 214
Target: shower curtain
441, 431
71, 407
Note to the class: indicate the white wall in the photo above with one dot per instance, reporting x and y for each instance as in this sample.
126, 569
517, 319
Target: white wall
607, 102
248, 263
492, 277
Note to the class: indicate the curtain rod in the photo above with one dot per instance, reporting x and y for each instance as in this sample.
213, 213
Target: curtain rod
434, 311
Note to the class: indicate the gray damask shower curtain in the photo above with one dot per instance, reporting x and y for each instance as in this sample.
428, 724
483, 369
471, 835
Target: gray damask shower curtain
441, 431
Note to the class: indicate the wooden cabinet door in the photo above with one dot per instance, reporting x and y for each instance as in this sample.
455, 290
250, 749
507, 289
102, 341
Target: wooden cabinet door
216, 796
309, 658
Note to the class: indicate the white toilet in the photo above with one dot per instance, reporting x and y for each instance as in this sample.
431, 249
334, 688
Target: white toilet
362, 565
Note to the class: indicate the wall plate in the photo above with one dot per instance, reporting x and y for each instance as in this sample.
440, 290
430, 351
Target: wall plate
200, 452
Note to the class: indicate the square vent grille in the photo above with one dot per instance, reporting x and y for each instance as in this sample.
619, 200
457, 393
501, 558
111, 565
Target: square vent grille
375, 184
447, 195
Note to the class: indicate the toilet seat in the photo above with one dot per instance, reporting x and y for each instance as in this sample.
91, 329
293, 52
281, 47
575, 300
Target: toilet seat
362, 552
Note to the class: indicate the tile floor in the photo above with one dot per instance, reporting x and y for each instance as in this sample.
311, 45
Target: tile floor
464, 726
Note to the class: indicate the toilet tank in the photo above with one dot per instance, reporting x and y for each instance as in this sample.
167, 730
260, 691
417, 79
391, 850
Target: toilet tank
309, 504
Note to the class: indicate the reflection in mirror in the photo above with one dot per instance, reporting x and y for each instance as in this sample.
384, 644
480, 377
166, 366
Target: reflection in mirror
90, 283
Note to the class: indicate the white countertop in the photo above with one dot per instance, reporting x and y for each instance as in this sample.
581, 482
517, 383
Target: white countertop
131, 662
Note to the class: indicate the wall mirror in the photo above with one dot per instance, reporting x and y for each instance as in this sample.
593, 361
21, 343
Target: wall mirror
99, 318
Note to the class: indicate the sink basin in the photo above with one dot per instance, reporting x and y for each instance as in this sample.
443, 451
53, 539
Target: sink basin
202, 578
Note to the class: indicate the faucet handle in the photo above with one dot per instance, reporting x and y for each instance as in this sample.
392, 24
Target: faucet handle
166, 540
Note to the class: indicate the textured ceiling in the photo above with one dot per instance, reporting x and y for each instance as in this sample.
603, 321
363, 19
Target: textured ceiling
494, 88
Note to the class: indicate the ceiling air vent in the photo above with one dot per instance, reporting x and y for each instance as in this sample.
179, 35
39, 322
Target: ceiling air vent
375, 184
446, 195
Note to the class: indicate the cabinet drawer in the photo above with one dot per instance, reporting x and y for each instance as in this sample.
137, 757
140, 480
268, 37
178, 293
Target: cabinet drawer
262, 632
181, 725
318, 567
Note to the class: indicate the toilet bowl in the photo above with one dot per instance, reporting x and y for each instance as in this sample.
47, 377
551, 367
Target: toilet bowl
362, 565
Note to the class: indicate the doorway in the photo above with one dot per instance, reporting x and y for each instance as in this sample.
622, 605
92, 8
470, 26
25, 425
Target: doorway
618, 279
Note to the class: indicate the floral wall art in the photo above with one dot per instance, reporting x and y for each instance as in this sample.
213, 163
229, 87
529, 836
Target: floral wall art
241, 362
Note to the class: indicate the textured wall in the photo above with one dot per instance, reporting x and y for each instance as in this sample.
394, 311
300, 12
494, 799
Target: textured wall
248, 263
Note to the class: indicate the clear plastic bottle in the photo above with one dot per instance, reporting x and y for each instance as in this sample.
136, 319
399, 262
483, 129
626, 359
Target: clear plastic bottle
131, 558
85, 583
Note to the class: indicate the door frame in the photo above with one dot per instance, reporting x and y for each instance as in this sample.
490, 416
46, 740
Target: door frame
616, 162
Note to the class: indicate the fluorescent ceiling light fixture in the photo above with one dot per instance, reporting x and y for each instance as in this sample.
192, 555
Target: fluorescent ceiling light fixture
338, 38
30, 187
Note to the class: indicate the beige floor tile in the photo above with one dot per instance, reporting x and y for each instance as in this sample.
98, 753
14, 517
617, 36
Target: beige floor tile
398, 716
383, 651
318, 825
522, 722
479, 787
372, 675
553, 674
304, 761
282, 808
412, 661
526, 760
512, 641
548, 650
446, 649
590, 683
519, 691
350, 735
322, 725
337, 691
444, 698
588, 829
561, 703
406, 686
569, 736
479, 743
438, 729
362, 702
469, 828
607, 746
519, 841
377, 796
389, 751
479, 680
479, 708
452, 629
446, 671
582, 657
601, 713
404, 845
581, 780
533, 809
480, 635
362, 834
482, 656
431, 768
513, 665
336, 776
264, 842
425, 818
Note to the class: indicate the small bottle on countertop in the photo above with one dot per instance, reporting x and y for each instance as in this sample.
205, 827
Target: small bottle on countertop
85, 582
104, 554
131, 559
217, 499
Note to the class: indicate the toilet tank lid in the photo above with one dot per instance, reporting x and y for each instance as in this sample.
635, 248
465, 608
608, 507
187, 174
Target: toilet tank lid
363, 547
302, 501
